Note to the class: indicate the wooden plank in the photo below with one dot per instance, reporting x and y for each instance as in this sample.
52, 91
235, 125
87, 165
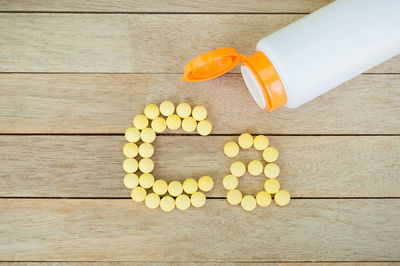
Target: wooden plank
103, 230
175, 6
130, 263
91, 166
65, 103
145, 43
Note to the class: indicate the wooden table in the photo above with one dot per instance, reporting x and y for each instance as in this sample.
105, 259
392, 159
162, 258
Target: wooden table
73, 75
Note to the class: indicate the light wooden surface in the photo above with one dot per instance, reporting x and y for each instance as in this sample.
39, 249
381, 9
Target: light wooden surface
74, 73
105, 229
134, 43
90, 166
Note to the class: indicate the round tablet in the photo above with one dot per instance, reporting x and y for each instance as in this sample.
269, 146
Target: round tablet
132, 134
140, 121
238, 169
255, 167
130, 150
282, 197
183, 110
160, 187
152, 201
158, 124
148, 135
272, 186
270, 154
263, 198
146, 150
130, 165
231, 149
146, 180
234, 197
230, 182
138, 194
167, 203
204, 127
199, 113
189, 124
175, 188
190, 186
261, 142
205, 183
167, 108
146, 165
151, 111
131, 181
271, 170
248, 203
182, 202
173, 122
245, 140
198, 199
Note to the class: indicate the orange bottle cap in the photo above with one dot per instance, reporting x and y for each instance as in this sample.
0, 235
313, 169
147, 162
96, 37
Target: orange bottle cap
211, 65
217, 62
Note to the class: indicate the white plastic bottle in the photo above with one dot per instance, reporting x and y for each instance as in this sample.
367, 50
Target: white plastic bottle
312, 55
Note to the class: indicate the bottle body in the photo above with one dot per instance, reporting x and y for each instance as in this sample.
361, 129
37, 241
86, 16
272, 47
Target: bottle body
328, 47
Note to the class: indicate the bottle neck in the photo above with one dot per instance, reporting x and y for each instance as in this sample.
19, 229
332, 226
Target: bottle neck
263, 81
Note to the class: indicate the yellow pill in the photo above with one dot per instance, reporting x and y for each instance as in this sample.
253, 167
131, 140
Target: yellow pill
182, 202
175, 188
138, 194
204, 127
183, 110
146, 165
261, 142
173, 122
238, 169
132, 134
148, 135
167, 203
234, 197
263, 198
130, 165
270, 154
230, 182
206, 183
199, 113
231, 149
248, 203
189, 124
167, 108
140, 121
152, 201
130, 150
131, 181
146, 180
146, 150
190, 186
272, 186
160, 187
271, 170
158, 124
198, 199
282, 197
255, 168
245, 140
151, 111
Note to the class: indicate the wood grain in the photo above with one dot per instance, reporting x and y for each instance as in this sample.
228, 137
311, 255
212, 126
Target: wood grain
125, 263
175, 6
102, 230
91, 166
144, 43
66, 103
